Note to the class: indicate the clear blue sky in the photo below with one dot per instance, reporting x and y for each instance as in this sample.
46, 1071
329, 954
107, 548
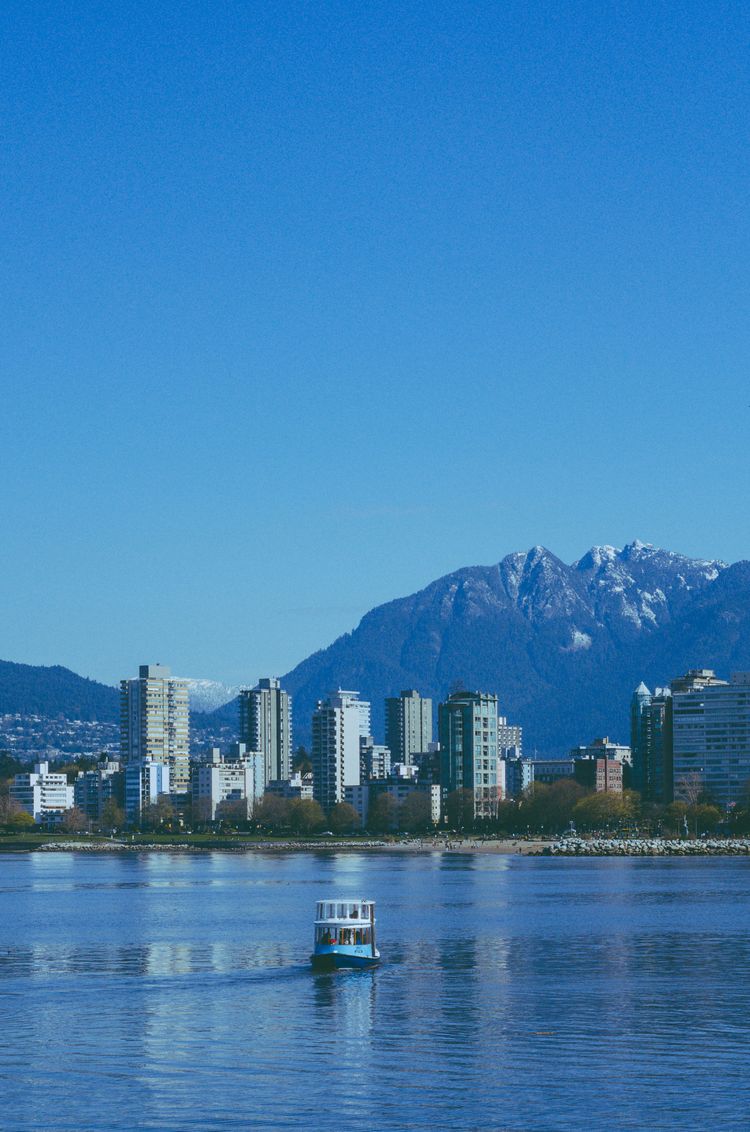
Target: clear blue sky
304, 305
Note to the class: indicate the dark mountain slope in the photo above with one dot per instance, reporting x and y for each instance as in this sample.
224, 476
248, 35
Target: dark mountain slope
29, 689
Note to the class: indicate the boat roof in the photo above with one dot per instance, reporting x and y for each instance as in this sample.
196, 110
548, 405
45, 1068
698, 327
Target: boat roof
343, 900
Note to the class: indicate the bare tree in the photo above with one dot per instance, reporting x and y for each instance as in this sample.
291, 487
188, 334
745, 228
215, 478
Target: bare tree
74, 821
690, 788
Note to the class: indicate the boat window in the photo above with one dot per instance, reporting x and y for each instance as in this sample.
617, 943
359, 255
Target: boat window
366, 935
355, 912
342, 911
331, 911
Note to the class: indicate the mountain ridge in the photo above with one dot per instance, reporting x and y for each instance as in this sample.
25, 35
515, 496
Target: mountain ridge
562, 644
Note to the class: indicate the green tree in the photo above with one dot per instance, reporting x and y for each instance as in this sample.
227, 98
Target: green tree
10, 767
73, 768
603, 811
232, 812
508, 816
201, 811
157, 815
306, 816
674, 817
703, 818
272, 813
301, 761
382, 814
415, 812
18, 820
343, 818
459, 810
113, 816
549, 808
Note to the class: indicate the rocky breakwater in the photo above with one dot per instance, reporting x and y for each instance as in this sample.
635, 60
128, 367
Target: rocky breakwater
648, 847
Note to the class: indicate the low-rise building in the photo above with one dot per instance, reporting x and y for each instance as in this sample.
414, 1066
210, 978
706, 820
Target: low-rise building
221, 780
602, 775
548, 771
43, 795
374, 759
362, 797
604, 748
509, 736
299, 786
92, 789
519, 773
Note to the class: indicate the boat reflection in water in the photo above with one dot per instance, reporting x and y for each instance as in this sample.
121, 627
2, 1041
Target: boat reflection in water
344, 934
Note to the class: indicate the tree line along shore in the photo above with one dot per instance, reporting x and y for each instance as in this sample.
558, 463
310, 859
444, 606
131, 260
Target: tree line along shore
541, 811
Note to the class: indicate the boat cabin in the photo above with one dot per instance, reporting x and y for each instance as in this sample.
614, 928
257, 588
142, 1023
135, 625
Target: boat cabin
345, 933
343, 923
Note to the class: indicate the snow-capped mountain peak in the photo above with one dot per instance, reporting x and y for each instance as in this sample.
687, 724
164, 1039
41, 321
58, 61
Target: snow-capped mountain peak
207, 695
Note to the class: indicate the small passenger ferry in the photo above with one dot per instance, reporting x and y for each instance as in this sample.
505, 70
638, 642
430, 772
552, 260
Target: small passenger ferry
345, 934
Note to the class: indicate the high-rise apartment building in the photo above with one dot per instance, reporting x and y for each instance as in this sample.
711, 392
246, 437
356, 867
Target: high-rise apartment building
467, 729
155, 722
651, 743
266, 725
711, 736
408, 725
337, 725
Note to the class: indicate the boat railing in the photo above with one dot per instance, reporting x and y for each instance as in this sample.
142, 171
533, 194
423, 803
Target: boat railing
343, 910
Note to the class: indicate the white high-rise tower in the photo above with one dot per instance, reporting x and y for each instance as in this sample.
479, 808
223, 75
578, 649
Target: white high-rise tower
337, 725
155, 722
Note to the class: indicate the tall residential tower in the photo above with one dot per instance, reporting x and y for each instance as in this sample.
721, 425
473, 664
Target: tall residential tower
155, 722
467, 728
408, 726
651, 743
337, 725
266, 725
711, 736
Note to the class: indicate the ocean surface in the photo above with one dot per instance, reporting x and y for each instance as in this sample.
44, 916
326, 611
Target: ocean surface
167, 991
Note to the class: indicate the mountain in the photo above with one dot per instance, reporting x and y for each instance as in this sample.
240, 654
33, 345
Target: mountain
562, 645
29, 689
208, 695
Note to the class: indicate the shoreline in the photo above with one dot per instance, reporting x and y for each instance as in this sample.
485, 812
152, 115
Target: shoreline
425, 845
533, 847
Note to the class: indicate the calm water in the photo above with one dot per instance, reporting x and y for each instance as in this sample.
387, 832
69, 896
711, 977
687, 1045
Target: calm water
173, 992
